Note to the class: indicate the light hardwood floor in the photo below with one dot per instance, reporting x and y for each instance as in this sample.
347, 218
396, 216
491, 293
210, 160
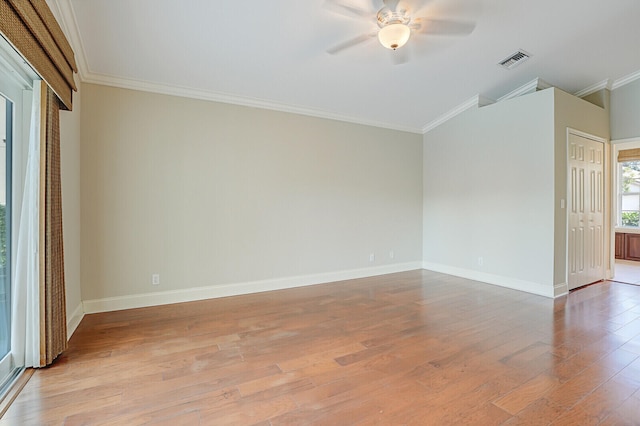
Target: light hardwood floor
409, 348
627, 271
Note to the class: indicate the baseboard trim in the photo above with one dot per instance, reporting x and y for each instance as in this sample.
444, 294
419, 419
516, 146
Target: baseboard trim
211, 292
560, 289
74, 321
499, 280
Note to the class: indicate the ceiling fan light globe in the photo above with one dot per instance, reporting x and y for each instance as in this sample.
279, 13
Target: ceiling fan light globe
394, 36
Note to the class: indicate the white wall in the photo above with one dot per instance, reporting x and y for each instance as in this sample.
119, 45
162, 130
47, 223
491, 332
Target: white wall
70, 175
499, 160
508, 161
214, 195
625, 111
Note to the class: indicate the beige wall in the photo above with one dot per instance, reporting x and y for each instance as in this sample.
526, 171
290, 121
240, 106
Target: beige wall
70, 173
208, 194
578, 114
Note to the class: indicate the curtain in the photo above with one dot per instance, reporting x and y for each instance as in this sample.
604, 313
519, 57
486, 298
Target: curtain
32, 30
25, 323
39, 325
53, 315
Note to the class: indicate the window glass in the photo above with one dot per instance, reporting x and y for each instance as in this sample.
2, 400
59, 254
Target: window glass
629, 193
5, 238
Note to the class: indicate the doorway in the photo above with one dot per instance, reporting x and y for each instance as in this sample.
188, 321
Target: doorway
627, 271
625, 166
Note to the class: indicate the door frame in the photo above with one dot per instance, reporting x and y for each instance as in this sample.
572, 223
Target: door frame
617, 145
608, 252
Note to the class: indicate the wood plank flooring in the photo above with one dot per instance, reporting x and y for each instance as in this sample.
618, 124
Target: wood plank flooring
410, 348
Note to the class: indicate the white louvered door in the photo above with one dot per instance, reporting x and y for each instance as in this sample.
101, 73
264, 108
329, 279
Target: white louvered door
586, 215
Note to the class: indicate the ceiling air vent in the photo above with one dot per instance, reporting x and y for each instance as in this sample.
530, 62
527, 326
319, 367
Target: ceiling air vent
514, 60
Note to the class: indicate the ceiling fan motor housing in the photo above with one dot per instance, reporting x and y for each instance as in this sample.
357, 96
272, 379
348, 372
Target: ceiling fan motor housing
387, 16
394, 27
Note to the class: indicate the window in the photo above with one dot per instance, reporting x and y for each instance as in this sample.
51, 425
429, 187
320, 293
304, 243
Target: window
629, 193
16, 94
10, 101
6, 121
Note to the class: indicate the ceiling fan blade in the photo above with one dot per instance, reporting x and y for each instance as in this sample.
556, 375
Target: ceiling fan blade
347, 8
442, 27
412, 6
350, 43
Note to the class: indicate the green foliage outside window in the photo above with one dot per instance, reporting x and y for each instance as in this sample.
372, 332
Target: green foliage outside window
3, 237
630, 174
630, 218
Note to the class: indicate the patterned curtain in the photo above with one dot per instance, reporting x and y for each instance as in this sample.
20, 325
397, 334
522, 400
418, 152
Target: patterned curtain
53, 323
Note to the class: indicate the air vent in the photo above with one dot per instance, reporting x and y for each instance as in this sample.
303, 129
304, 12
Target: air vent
514, 60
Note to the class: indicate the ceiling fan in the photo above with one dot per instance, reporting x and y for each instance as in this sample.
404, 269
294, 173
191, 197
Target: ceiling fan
396, 23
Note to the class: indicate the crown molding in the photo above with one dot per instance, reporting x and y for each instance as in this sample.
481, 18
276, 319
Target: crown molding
69, 25
476, 101
609, 84
626, 80
480, 101
186, 92
484, 101
604, 84
530, 87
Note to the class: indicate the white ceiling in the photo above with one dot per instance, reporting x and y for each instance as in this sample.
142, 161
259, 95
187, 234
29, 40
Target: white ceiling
273, 54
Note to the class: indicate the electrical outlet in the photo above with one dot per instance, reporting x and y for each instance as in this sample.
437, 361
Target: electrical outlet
480, 261
155, 279
391, 254
372, 257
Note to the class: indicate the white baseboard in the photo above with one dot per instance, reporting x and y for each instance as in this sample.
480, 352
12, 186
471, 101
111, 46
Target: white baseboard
560, 289
215, 291
499, 280
74, 321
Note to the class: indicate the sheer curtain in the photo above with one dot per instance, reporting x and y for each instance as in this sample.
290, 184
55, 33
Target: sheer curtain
25, 335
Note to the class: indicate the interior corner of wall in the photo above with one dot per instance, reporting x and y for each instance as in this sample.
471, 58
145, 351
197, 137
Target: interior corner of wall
73, 321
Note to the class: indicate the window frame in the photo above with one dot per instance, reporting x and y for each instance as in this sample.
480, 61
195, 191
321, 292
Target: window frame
619, 145
17, 87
